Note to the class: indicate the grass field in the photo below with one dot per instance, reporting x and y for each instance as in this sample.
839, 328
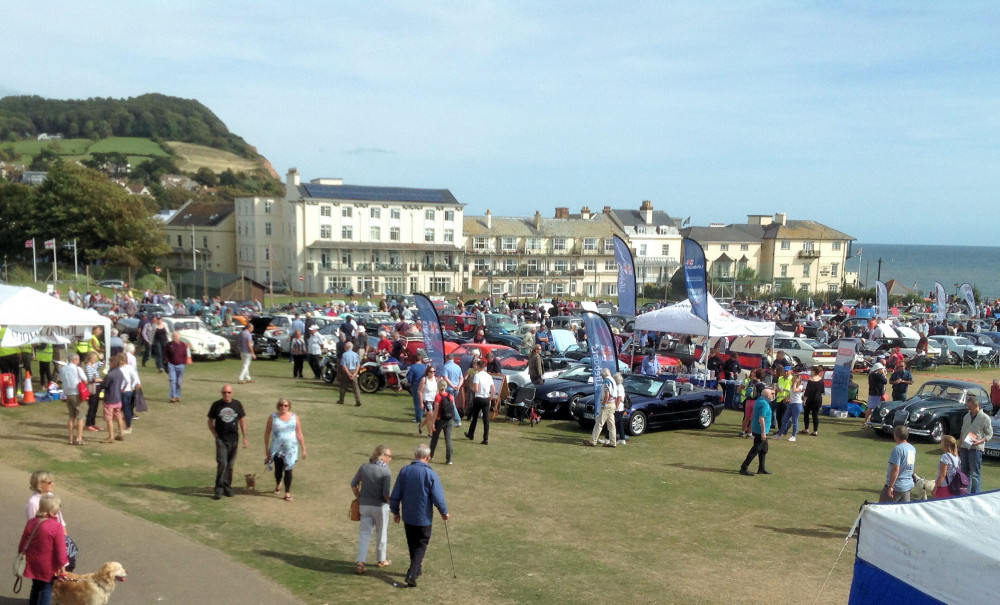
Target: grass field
134, 146
191, 157
536, 517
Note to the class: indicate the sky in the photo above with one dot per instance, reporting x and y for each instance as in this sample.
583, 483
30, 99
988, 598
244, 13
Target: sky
877, 119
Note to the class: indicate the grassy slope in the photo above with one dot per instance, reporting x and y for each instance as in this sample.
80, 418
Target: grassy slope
535, 516
190, 157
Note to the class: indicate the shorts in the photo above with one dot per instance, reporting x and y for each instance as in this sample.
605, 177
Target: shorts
111, 410
74, 405
428, 406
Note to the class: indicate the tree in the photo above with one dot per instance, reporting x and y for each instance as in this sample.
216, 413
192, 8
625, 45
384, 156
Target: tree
44, 161
206, 177
108, 223
17, 204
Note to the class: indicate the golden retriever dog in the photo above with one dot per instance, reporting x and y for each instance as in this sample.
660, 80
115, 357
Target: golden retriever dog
88, 589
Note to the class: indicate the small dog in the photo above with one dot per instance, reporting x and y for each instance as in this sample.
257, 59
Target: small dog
88, 589
923, 489
251, 481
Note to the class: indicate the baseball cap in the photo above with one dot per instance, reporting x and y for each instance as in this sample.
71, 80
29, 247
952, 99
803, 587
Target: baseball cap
313, 327
788, 367
877, 367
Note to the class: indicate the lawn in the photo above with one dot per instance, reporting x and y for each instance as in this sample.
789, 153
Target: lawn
129, 146
536, 517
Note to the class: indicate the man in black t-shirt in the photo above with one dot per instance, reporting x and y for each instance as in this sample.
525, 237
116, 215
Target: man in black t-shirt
226, 419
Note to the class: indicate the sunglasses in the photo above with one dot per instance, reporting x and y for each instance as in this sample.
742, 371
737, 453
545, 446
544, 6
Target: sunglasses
284, 405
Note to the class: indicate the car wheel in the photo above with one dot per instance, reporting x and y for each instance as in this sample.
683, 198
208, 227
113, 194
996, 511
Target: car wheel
367, 382
705, 417
573, 401
637, 423
953, 358
938, 431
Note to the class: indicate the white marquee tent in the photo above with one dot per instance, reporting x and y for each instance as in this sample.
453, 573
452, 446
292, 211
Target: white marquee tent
678, 319
31, 316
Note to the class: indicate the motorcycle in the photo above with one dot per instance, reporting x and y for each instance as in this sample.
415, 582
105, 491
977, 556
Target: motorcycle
328, 366
382, 371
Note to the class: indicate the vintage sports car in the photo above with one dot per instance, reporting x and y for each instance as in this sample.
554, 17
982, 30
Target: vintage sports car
196, 335
935, 411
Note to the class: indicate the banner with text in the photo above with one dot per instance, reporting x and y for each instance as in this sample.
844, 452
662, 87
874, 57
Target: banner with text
602, 351
694, 278
430, 327
626, 277
970, 299
881, 301
940, 302
842, 373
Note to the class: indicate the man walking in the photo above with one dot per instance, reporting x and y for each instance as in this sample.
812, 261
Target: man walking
416, 492
226, 419
176, 357
899, 475
760, 423
976, 431
314, 350
350, 366
247, 355
484, 390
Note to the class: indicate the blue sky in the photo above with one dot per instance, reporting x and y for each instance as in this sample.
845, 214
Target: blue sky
877, 119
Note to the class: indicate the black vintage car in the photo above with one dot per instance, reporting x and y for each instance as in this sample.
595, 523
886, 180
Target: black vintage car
935, 411
553, 397
654, 402
263, 346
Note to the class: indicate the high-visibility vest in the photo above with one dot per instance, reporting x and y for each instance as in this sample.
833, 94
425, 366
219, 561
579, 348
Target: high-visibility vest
784, 388
5, 351
43, 352
83, 346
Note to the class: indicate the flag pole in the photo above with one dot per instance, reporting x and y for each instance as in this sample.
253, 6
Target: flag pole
76, 266
34, 261
55, 265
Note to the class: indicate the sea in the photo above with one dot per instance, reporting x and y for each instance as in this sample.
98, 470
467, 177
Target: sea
918, 267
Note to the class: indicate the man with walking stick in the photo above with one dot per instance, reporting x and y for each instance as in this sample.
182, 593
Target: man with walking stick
416, 493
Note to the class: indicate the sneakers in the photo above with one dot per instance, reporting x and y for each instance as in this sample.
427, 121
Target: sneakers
776, 437
792, 438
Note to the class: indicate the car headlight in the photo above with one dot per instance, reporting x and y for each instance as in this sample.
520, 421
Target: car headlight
915, 415
883, 412
556, 395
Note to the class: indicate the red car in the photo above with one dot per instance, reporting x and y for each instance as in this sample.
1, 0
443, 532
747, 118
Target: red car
509, 358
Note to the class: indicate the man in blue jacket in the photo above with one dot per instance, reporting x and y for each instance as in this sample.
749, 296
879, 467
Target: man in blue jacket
416, 493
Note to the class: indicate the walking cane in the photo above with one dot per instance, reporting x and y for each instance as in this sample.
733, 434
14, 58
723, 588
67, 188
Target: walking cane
451, 554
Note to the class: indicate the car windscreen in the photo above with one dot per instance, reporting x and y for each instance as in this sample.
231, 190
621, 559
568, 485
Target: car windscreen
941, 391
188, 325
579, 374
637, 384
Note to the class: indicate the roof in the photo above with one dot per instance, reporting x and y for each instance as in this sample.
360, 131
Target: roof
635, 218
599, 225
729, 233
201, 214
894, 288
361, 193
803, 230
744, 232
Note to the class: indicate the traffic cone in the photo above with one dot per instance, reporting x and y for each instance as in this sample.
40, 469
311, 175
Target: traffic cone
29, 394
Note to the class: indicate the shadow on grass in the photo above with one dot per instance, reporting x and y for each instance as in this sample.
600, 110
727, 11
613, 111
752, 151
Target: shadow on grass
550, 438
866, 434
808, 533
38, 437
705, 469
390, 433
714, 433
320, 564
387, 419
191, 491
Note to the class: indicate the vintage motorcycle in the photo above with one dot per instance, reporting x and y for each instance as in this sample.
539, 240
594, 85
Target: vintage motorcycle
381, 371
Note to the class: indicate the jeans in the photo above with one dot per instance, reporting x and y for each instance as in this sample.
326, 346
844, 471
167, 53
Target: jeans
417, 539
620, 425
245, 370
480, 404
92, 403
373, 518
225, 456
971, 461
127, 408
41, 593
791, 417
298, 362
779, 413
418, 406
314, 364
158, 354
442, 425
176, 374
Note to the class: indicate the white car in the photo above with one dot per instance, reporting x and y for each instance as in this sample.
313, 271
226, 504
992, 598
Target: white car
195, 334
960, 345
808, 351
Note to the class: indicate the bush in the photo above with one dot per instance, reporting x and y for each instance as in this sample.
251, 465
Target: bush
152, 282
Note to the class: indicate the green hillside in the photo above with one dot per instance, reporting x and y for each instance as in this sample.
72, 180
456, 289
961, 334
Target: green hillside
137, 149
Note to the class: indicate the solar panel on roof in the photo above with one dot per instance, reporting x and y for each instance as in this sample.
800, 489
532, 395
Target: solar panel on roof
379, 194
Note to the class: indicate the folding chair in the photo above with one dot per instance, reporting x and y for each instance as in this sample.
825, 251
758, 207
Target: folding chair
523, 406
970, 358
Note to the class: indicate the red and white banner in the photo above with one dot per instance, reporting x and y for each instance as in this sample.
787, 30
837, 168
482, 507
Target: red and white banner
50, 244
29, 243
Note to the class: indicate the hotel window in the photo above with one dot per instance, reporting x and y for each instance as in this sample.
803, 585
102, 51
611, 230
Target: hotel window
533, 243
267, 228
429, 234
744, 247
610, 265
723, 247
394, 234
268, 206
394, 213
808, 245
786, 245
480, 243
534, 265
449, 216
376, 234
559, 243
325, 232
346, 232
510, 265
784, 271
480, 264
325, 260
346, 211
508, 244
449, 235
429, 215
590, 244
345, 258
325, 210
665, 250
590, 265
376, 213
560, 265
834, 268
609, 245
806, 269
642, 250
836, 245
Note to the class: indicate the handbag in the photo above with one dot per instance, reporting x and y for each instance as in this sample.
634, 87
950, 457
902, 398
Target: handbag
138, 401
21, 560
83, 391
71, 553
355, 514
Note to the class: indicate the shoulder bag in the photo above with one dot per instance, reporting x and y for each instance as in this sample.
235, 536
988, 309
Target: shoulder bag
21, 561
355, 512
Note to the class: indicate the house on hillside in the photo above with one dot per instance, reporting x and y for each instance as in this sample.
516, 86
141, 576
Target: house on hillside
50, 137
177, 180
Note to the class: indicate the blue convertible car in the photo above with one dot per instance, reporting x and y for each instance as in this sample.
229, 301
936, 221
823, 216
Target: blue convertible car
654, 402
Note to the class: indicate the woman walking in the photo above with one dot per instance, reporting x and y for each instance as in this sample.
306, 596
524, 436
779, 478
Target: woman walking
297, 349
791, 416
428, 390
948, 464
444, 419
44, 548
371, 487
813, 399
282, 441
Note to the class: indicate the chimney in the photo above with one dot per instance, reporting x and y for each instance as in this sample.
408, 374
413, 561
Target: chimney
538, 220
647, 212
607, 210
292, 180
779, 218
562, 212
585, 213
489, 219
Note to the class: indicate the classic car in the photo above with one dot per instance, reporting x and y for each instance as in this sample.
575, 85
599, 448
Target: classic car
807, 351
983, 340
264, 346
509, 358
993, 445
655, 402
935, 411
498, 335
632, 356
959, 345
196, 335
554, 397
